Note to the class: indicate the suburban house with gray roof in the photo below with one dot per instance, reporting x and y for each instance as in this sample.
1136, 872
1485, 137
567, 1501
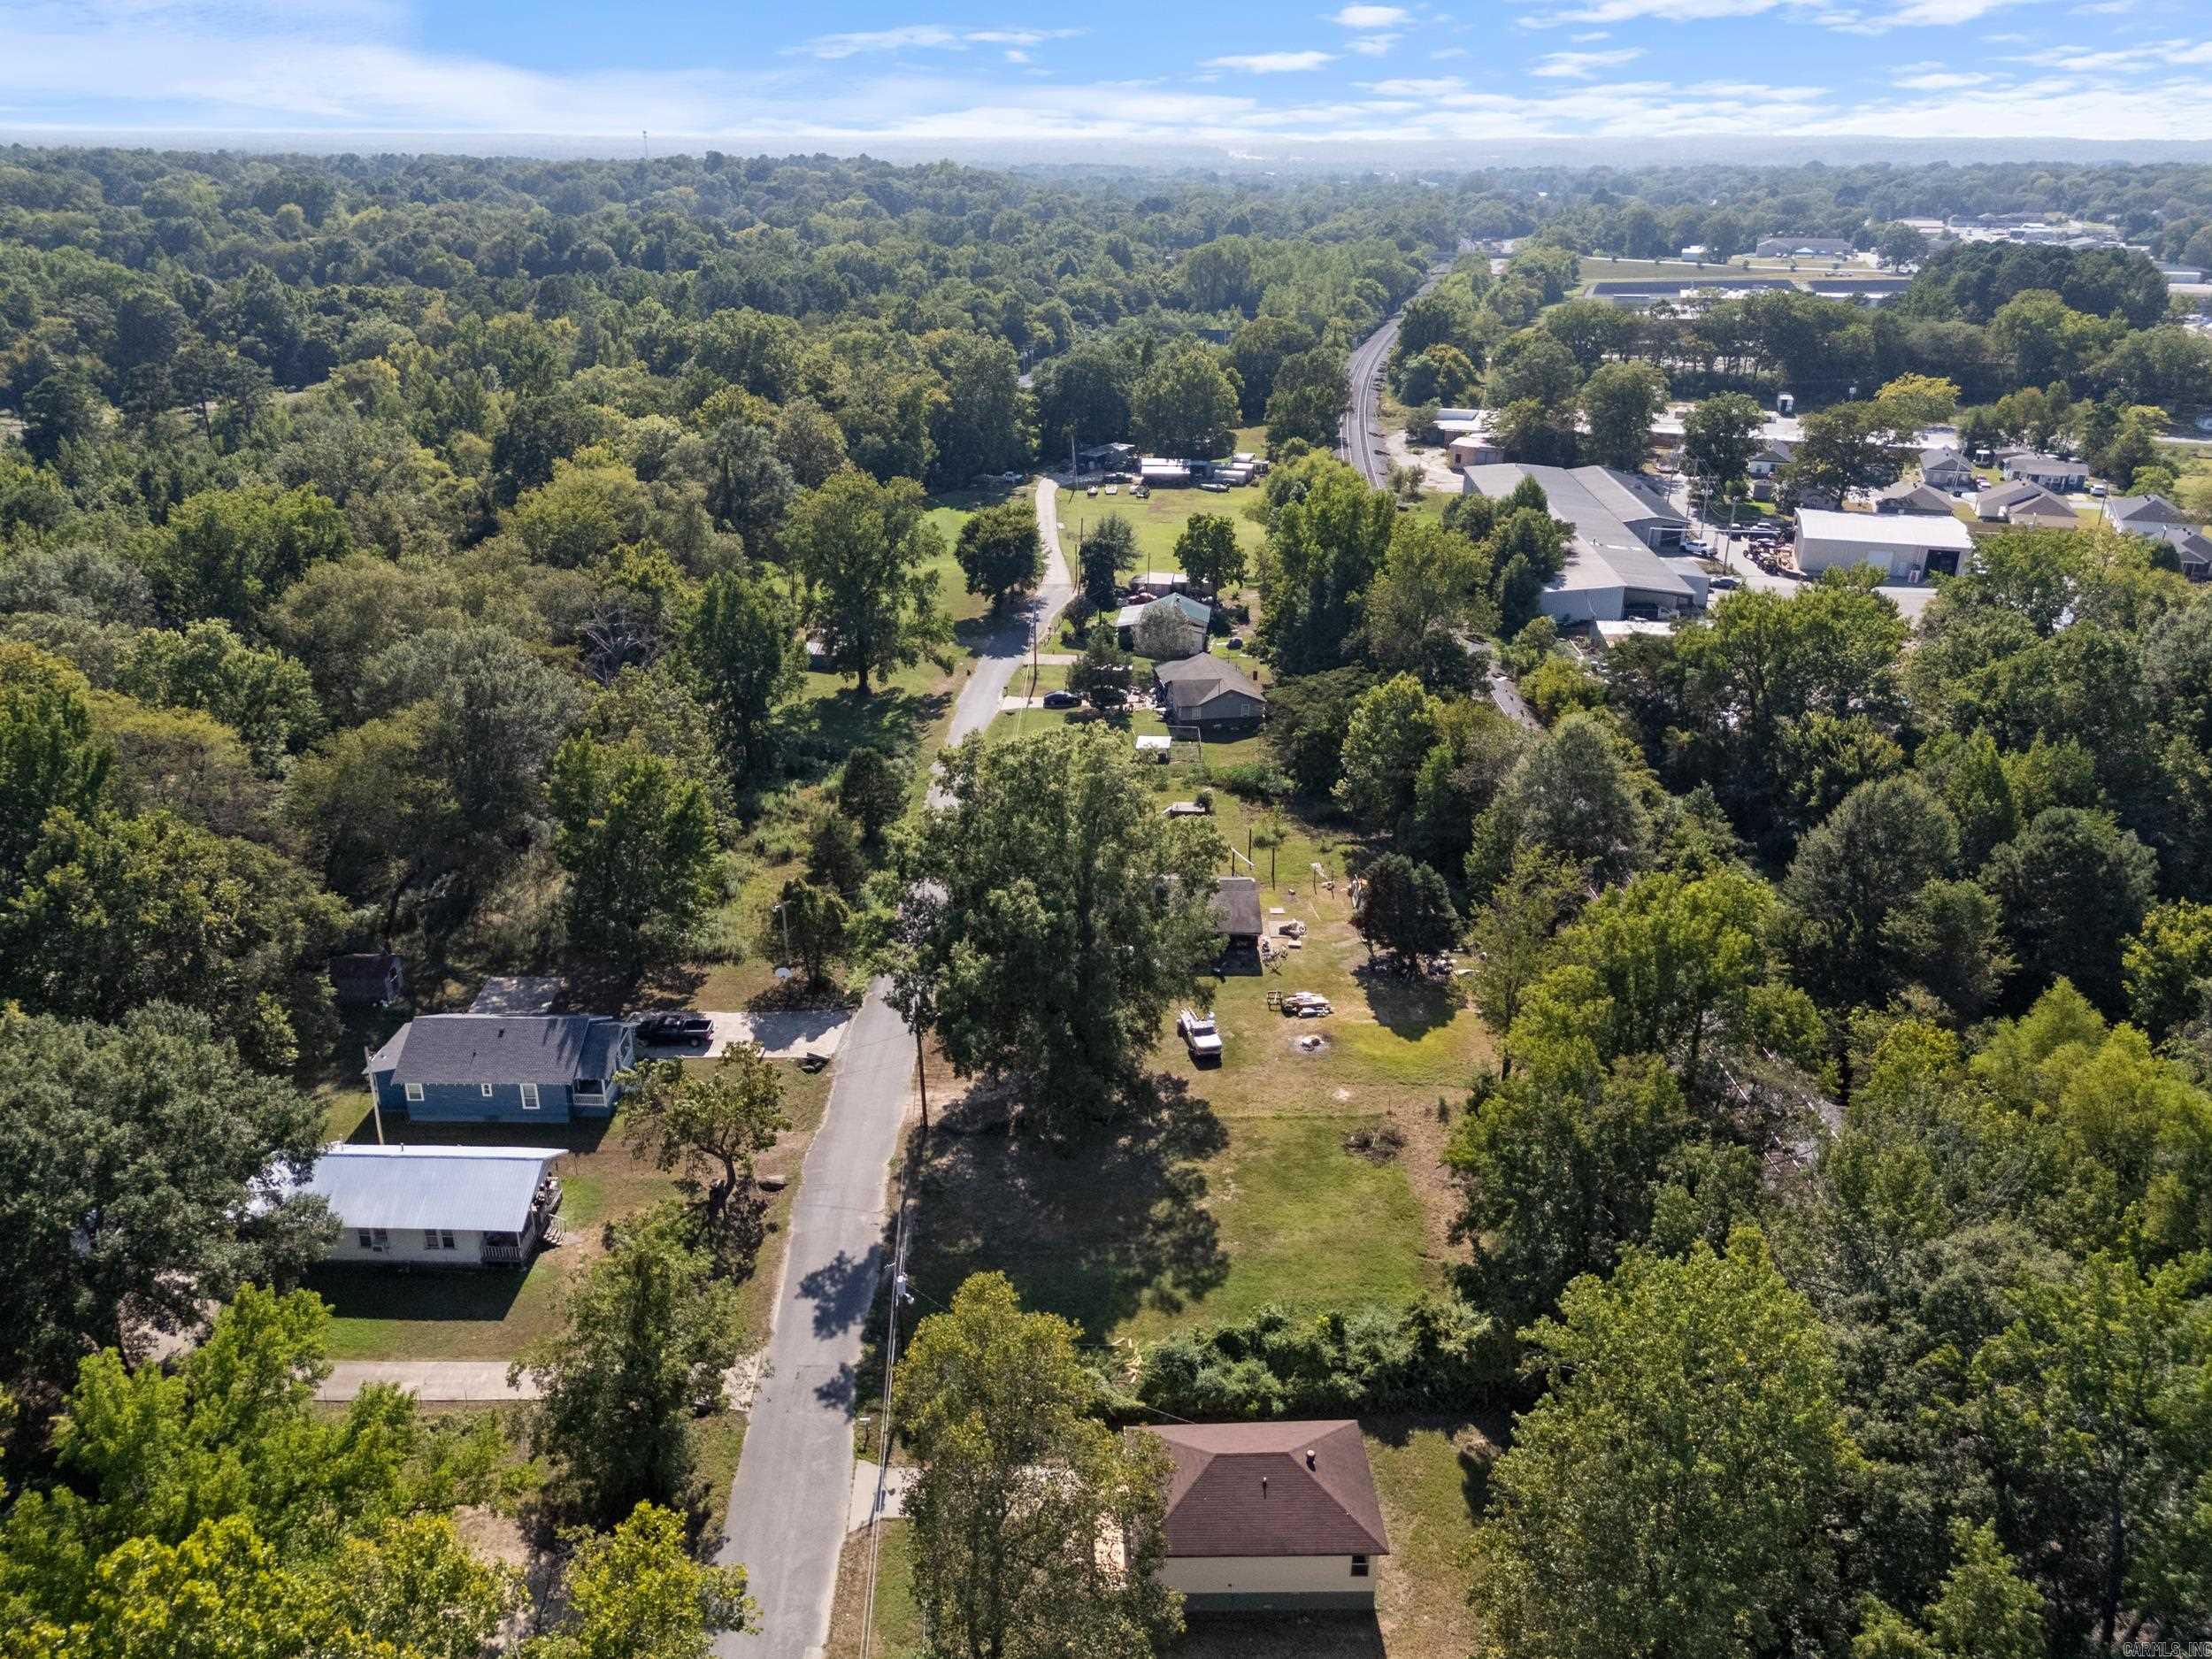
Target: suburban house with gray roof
2023, 502
1906, 497
2146, 515
1946, 469
2053, 471
1271, 1517
413, 1206
1208, 690
504, 1069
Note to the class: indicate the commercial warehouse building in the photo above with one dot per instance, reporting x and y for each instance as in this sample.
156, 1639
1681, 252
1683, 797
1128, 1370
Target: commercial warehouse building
1613, 566
1904, 547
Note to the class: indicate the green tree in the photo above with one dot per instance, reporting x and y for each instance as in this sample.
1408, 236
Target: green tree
1863, 866
871, 791
232, 553
1572, 793
1020, 1489
1898, 245
263, 695
128, 1156
1848, 446
50, 757
1405, 909
743, 641
818, 924
1209, 553
1109, 547
2092, 1402
1101, 676
2167, 967
1720, 434
708, 1128
835, 858
1392, 727
1426, 602
1987, 1610
637, 1592
1056, 916
647, 1332
115, 912
208, 1505
1512, 936
1000, 552
1620, 400
637, 839
1308, 399
2073, 886
1669, 1494
1185, 404
863, 548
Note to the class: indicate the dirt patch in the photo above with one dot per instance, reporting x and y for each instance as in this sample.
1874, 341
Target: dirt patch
1309, 1042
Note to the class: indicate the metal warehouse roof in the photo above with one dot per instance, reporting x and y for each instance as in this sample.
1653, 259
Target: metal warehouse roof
499, 1049
1903, 529
478, 1189
1606, 552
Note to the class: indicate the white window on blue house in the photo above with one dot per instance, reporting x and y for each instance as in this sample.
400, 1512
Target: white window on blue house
487, 1088
529, 1097
414, 1091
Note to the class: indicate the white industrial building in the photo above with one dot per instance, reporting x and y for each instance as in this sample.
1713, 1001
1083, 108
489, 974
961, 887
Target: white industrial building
1613, 567
1904, 547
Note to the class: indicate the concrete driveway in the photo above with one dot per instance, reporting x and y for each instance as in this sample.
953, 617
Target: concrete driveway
782, 1036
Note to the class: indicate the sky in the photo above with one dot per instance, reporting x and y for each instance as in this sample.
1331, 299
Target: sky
1253, 80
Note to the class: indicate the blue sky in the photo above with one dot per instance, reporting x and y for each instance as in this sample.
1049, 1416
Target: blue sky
1256, 79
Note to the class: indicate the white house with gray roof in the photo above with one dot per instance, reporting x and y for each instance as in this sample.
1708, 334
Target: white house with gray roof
416, 1206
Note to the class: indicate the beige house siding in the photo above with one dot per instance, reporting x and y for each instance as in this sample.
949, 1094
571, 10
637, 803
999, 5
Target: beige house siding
406, 1248
1259, 1582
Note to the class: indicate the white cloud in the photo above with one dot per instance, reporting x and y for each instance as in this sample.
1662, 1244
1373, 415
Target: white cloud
1587, 35
912, 35
1370, 17
1582, 66
1271, 63
1938, 80
1374, 45
1445, 54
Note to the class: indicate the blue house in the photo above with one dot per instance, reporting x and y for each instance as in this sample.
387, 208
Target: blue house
502, 1068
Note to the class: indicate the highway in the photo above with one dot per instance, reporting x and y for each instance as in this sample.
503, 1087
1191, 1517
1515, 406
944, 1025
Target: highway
1357, 440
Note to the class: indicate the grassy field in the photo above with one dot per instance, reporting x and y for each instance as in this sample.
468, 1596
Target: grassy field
1597, 269
1431, 1475
1159, 518
1237, 1190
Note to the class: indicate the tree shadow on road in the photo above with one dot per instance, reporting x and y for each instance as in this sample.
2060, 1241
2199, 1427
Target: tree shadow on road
841, 1290
1095, 1229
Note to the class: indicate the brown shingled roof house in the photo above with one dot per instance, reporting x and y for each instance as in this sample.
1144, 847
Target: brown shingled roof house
1271, 1516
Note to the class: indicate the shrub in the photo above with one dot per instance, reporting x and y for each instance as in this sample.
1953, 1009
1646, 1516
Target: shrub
1256, 780
1424, 1355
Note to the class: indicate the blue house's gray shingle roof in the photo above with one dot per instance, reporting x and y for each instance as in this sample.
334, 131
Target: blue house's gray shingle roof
497, 1049
479, 1189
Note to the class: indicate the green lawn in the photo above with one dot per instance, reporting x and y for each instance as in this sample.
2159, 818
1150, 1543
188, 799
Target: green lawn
1159, 518
898, 1622
1237, 1190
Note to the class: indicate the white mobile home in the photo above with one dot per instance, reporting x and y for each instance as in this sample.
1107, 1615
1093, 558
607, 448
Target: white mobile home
438, 1206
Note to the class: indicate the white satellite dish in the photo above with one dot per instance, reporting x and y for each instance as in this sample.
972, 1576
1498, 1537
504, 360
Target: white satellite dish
783, 973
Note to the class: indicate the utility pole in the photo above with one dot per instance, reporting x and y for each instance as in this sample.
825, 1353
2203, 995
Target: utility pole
921, 1078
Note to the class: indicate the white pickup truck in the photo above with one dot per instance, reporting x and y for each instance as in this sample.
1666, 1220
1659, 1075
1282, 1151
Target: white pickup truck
1200, 1035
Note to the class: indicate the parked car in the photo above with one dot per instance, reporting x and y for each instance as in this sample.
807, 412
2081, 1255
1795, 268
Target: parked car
1200, 1035
1723, 583
1062, 700
675, 1030
1695, 546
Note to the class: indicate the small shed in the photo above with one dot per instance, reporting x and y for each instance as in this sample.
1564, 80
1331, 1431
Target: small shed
1236, 911
369, 979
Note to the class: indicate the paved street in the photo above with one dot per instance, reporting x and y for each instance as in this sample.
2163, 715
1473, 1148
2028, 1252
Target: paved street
789, 1505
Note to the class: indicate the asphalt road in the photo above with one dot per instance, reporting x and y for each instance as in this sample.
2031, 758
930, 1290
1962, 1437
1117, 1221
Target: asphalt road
1357, 439
790, 1503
